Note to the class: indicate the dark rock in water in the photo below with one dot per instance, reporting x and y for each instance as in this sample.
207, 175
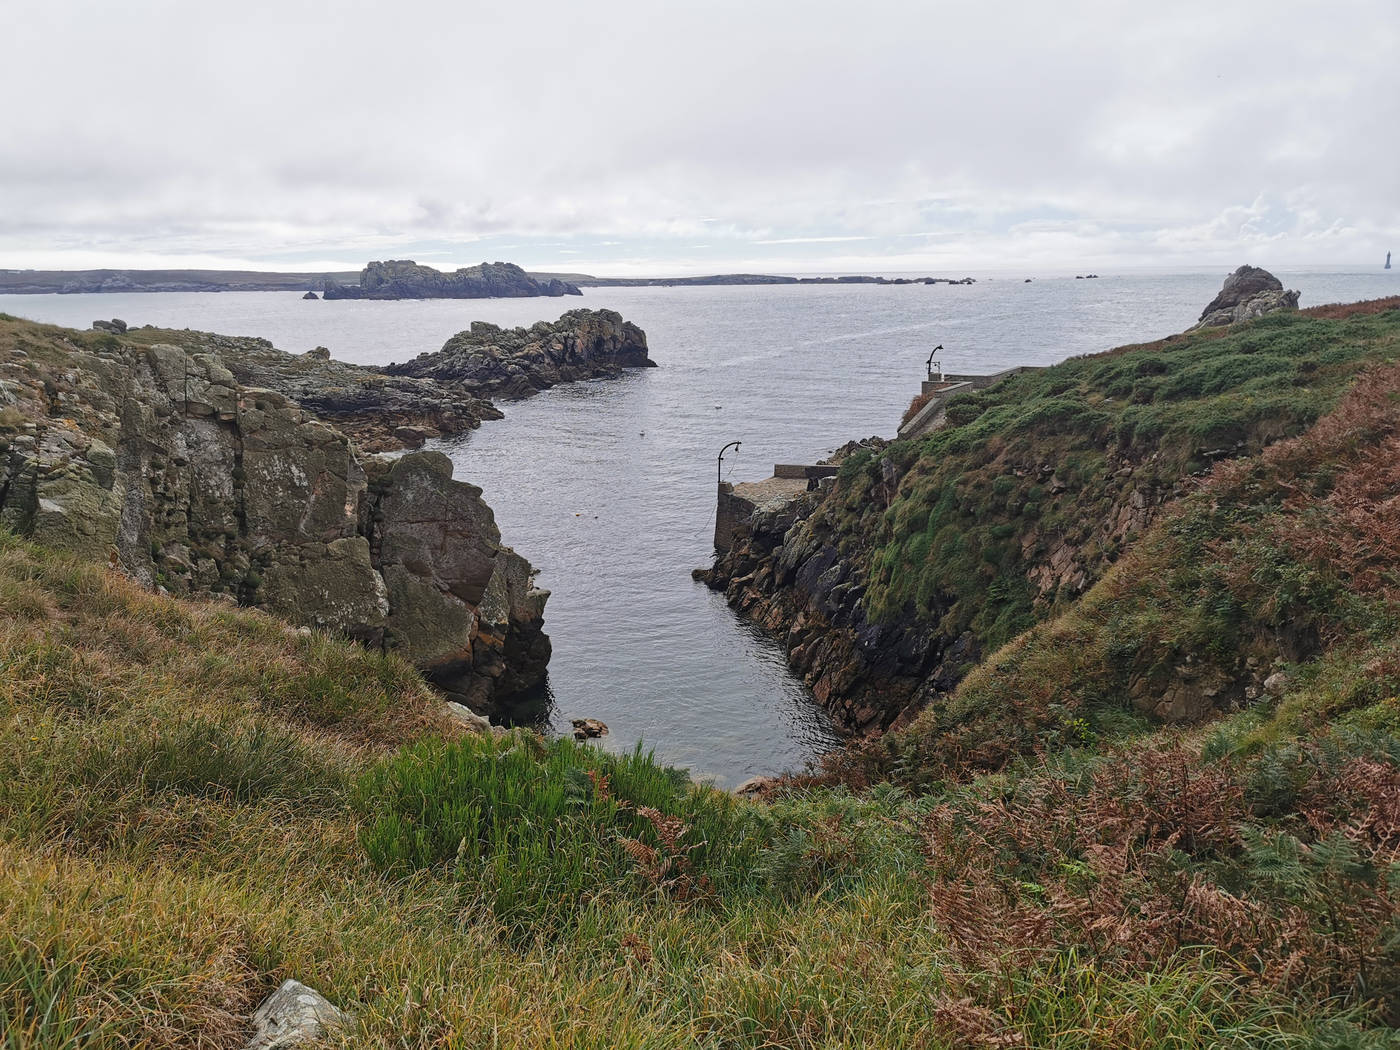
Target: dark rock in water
517, 362
1249, 292
405, 279
191, 481
588, 728
311, 295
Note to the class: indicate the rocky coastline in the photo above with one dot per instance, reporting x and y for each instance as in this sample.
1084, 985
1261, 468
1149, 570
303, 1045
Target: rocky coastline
805, 570
491, 361
406, 279
158, 459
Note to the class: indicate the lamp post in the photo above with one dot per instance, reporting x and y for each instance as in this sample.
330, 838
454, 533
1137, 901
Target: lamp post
931, 362
719, 466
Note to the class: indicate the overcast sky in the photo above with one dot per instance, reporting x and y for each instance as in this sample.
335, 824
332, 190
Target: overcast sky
659, 137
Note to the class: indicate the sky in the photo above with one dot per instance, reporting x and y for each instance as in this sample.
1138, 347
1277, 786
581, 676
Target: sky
661, 138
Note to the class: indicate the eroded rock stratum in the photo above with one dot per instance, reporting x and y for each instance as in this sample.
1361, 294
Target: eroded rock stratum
158, 459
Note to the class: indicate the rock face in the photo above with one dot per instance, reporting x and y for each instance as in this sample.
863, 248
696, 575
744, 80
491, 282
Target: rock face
363, 402
1249, 292
162, 461
516, 362
798, 576
406, 279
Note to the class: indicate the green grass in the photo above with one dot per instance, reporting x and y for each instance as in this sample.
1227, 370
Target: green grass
197, 802
1038, 461
190, 812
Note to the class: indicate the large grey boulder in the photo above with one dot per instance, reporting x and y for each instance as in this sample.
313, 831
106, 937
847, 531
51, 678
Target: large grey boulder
291, 1015
1248, 293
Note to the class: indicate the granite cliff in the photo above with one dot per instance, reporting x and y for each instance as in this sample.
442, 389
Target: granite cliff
516, 362
406, 279
160, 460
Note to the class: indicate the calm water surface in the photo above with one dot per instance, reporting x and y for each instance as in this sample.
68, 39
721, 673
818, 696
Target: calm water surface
608, 487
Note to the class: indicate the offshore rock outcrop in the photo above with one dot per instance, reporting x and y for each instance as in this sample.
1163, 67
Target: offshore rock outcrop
1248, 293
160, 461
516, 362
406, 279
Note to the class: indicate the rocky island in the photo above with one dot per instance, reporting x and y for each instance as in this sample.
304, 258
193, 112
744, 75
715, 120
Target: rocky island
406, 279
517, 362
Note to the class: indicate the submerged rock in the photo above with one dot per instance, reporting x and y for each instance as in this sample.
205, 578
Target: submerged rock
589, 728
1249, 292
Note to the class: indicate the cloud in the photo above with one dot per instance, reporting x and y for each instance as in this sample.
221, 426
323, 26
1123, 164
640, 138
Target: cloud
965, 136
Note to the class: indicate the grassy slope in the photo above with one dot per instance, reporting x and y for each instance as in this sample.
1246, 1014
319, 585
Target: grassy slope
1051, 458
196, 803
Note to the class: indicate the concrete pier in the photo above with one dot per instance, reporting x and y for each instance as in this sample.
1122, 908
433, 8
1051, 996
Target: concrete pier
735, 504
942, 390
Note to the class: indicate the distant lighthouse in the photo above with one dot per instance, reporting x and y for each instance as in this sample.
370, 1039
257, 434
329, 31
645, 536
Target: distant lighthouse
1387, 260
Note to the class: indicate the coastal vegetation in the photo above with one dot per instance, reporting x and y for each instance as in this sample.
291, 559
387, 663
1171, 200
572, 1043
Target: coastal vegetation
198, 800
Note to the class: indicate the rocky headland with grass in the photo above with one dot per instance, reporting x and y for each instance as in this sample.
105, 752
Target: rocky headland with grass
1125, 631
162, 460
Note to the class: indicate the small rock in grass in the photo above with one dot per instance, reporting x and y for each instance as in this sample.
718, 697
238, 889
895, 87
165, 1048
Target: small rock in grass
291, 1015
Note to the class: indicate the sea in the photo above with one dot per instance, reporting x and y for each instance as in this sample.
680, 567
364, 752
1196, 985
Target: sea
608, 487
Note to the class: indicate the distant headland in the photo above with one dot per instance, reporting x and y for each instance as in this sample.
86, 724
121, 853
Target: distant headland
394, 279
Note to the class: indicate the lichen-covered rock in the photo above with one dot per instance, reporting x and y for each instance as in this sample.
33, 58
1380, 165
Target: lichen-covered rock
1248, 293
159, 460
292, 1015
517, 362
406, 279
364, 403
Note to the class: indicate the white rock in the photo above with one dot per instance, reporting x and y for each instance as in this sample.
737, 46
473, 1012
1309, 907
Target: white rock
754, 787
1276, 684
468, 717
293, 1014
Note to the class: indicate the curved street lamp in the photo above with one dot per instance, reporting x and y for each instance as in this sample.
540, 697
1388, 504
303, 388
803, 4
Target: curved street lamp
719, 466
929, 363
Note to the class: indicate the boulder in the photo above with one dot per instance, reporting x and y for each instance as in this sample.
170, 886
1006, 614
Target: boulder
1247, 293
311, 295
292, 1015
588, 728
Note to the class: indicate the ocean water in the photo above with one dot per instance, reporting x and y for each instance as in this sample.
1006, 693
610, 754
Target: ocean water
608, 487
